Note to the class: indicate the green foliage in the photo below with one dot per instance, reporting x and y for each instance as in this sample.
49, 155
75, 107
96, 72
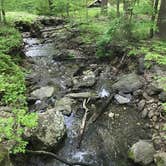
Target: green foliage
158, 58
111, 34
43, 7
10, 38
12, 90
143, 7
154, 52
20, 5
12, 94
13, 17
164, 108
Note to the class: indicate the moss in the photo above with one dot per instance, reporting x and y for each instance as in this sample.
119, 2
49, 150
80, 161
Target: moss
131, 154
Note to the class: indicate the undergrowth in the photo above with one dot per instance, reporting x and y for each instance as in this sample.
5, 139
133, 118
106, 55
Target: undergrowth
16, 119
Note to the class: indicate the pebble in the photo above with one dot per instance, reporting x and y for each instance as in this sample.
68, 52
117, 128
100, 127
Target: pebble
111, 115
141, 105
154, 118
144, 113
150, 114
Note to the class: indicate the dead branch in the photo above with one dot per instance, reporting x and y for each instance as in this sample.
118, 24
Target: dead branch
83, 124
96, 115
122, 61
57, 158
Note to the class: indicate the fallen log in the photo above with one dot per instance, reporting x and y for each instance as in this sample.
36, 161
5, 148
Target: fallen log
58, 158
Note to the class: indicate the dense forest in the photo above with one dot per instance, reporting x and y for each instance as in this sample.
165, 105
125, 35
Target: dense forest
82, 82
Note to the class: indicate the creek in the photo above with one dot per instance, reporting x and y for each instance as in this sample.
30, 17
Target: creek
105, 142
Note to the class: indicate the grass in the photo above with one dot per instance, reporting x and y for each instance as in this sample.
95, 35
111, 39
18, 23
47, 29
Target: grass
20, 16
10, 38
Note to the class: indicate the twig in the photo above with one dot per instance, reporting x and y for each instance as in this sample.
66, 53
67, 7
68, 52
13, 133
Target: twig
83, 124
58, 158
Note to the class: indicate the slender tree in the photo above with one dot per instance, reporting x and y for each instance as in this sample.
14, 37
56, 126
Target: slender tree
104, 6
2, 12
162, 19
153, 18
50, 5
118, 7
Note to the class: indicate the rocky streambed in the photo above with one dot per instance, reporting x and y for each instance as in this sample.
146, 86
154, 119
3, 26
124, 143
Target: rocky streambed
66, 78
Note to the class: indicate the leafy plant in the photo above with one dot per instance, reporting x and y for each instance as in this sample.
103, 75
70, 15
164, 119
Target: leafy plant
12, 90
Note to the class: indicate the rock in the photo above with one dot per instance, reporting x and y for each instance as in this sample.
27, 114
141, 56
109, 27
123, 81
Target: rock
128, 83
141, 66
162, 96
142, 152
50, 20
144, 113
153, 90
50, 130
138, 93
64, 105
122, 100
4, 157
141, 105
154, 118
86, 80
160, 159
43, 92
83, 95
151, 114
111, 115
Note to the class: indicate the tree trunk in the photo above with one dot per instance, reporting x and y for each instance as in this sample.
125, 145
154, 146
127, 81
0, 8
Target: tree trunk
118, 7
104, 6
3, 14
50, 4
68, 8
87, 14
155, 8
162, 20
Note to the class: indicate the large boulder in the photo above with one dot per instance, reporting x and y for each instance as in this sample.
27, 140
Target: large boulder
128, 83
43, 92
50, 130
4, 157
142, 152
160, 158
162, 96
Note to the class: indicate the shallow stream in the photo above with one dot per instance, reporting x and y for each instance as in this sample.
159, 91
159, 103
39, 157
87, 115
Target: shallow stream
105, 142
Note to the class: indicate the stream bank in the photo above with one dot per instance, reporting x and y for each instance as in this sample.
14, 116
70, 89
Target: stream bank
64, 72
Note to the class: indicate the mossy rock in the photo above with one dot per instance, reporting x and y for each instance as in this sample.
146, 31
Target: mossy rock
4, 157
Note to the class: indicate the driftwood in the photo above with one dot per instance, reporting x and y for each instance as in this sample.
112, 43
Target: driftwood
83, 125
57, 158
